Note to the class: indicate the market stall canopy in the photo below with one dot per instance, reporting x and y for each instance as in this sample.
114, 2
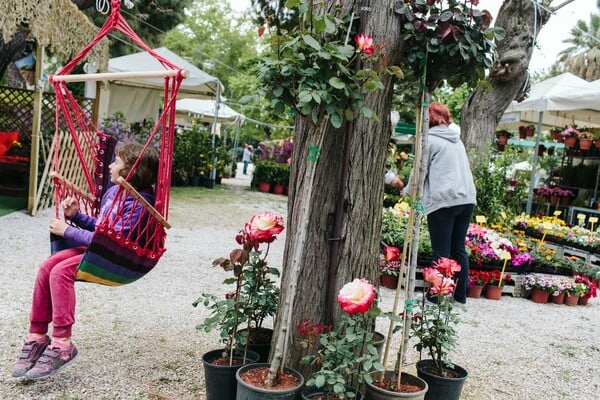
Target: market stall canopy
198, 84
205, 111
563, 100
140, 98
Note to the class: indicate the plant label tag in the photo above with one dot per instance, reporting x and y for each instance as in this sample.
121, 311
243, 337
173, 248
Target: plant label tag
593, 220
547, 225
505, 255
557, 213
480, 219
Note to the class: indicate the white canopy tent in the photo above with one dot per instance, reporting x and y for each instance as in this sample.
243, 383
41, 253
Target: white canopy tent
562, 100
559, 101
205, 110
210, 111
141, 98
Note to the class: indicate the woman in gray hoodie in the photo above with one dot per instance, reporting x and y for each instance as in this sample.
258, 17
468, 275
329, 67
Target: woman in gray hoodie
449, 195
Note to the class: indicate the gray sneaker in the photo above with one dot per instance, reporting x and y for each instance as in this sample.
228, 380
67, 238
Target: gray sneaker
30, 354
52, 361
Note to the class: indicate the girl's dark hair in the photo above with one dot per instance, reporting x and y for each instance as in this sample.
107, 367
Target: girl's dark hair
438, 114
145, 173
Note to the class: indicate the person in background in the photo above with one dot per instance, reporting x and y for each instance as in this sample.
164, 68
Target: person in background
390, 178
449, 194
247, 158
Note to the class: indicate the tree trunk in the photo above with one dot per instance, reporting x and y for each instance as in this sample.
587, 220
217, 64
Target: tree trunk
9, 51
509, 77
362, 192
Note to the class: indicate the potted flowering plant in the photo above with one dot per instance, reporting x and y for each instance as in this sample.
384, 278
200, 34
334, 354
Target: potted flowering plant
570, 135
433, 326
540, 286
476, 283
253, 300
346, 353
591, 289
389, 266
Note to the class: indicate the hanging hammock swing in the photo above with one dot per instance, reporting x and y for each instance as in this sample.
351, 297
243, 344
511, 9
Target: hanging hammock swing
122, 250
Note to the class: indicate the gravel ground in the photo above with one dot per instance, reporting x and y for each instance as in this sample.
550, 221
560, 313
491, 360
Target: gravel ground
139, 341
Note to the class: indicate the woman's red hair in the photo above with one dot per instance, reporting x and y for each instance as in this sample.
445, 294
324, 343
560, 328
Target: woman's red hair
438, 114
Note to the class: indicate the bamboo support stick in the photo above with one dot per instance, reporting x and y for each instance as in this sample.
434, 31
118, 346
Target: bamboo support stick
113, 76
142, 200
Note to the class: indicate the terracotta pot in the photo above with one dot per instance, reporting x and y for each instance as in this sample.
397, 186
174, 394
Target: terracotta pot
554, 135
502, 139
585, 144
570, 141
530, 131
571, 299
278, 189
493, 292
539, 296
264, 187
583, 300
597, 143
474, 291
389, 281
500, 146
559, 299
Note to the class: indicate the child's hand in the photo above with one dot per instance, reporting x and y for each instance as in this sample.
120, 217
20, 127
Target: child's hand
58, 227
70, 206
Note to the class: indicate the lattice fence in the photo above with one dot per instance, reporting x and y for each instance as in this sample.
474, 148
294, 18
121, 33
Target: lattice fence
16, 114
16, 110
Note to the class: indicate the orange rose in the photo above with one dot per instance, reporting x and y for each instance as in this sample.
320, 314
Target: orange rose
357, 296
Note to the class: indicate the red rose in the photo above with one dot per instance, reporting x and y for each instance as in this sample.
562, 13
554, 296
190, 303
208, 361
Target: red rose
391, 253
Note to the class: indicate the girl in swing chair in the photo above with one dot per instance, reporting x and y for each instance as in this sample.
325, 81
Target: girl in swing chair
54, 288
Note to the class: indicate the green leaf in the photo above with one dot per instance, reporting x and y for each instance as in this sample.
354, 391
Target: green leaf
309, 40
337, 82
320, 381
335, 120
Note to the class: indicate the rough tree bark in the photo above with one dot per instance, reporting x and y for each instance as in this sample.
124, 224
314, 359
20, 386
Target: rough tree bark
508, 78
363, 193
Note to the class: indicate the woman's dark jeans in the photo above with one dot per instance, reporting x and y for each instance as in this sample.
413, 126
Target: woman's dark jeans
448, 229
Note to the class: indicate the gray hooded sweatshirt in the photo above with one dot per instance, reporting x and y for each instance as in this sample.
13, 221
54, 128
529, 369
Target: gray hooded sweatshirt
448, 180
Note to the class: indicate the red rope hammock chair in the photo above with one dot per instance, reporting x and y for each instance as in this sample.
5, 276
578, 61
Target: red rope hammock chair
122, 250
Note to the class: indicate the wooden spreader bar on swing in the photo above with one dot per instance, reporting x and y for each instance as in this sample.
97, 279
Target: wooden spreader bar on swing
113, 76
127, 186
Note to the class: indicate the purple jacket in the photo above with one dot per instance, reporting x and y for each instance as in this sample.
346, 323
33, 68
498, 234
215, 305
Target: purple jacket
88, 223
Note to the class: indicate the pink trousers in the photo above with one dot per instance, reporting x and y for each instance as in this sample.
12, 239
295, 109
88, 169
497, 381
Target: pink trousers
54, 293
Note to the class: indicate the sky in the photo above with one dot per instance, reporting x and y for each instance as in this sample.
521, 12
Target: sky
550, 38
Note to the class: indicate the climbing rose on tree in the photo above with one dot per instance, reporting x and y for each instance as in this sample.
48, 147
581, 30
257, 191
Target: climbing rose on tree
364, 43
262, 228
357, 296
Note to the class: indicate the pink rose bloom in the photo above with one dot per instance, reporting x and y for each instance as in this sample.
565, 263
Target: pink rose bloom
447, 266
446, 286
364, 43
391, 253
432, 276
263, 227
357, 296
